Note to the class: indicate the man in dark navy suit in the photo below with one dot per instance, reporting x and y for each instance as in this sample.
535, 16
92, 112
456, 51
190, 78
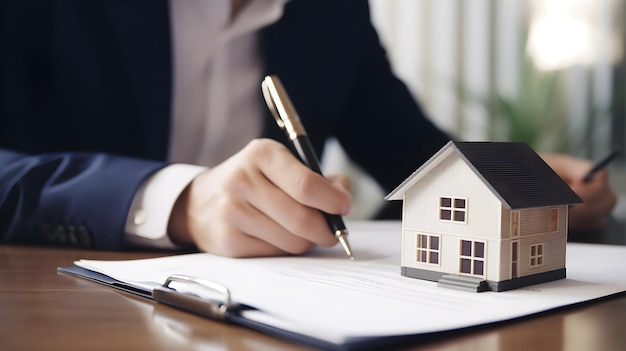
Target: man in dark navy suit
126, 123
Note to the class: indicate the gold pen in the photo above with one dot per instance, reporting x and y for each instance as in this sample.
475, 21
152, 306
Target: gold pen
287, 118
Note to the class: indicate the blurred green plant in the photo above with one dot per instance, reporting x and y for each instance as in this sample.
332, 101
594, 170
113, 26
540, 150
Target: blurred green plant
536, 114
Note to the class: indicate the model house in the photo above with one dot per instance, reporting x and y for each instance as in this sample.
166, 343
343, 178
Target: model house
484, 216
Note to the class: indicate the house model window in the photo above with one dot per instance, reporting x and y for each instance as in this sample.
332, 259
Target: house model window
536, 255
453, 209
427, 248
554, 219
514, 223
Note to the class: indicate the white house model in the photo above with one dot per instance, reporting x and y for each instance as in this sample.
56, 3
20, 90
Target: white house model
484, 216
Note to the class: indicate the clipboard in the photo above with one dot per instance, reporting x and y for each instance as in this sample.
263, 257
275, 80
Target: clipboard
328, 302
223, 310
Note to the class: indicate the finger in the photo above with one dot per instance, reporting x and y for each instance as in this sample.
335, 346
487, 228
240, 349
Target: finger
257, 224
599, 200
570, 169
341, 181
234, 220
298, 181
291, 216
600, 178
596, 191
219, 232
234, 243
573, 175
581, 217
602, 206
218, 222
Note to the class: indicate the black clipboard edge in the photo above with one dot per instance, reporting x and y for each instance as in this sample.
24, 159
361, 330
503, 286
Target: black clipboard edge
104, 279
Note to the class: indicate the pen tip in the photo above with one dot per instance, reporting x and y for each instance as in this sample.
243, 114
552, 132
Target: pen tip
343, 240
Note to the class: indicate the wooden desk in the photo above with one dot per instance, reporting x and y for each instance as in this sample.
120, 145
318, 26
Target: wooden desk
43, 310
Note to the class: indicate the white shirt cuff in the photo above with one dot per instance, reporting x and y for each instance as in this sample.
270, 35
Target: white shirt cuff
149, 214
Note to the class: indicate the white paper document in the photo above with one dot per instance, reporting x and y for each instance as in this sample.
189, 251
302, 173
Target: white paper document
326, 296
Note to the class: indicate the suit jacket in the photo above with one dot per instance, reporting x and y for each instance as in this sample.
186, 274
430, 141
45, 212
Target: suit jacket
85, 106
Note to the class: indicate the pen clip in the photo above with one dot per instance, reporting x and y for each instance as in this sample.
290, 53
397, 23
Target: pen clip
281, 107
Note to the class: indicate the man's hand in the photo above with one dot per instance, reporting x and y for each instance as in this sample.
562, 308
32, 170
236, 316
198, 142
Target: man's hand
260, 202
599, 199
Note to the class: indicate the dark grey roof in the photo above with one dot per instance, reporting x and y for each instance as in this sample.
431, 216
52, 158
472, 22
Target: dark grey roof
517, 173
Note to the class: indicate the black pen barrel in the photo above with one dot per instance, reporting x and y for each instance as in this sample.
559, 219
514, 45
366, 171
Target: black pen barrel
303, 147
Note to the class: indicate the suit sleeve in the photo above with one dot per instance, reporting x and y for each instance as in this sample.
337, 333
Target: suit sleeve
398, 135
73, 199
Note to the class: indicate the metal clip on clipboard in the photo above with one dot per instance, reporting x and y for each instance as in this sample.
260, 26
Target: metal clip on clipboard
208, 308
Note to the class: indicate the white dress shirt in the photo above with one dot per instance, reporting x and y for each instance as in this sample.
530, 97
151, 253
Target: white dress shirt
216, 109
